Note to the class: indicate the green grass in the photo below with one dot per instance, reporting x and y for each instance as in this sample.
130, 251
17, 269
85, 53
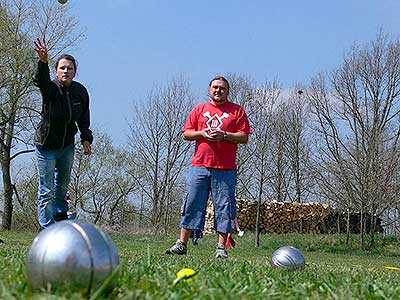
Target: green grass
332, 271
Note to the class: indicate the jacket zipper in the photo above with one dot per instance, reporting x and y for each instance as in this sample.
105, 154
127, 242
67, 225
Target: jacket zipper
69, 119
48, 130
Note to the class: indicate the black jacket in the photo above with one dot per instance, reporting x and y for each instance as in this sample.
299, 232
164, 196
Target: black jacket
62, 109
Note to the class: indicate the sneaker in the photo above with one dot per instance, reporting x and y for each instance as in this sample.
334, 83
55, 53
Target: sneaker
179, 248
195, 241
221, 251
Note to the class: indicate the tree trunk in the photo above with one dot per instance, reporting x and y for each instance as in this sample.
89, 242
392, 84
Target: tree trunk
258, 216
372, 232
8, 194
348, 228
362, 229
140, 225
257, 242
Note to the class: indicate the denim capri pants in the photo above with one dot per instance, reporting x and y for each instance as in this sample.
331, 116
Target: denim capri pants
200, 182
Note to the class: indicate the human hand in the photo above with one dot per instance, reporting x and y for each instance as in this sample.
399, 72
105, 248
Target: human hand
87, 148
41, 50
213, 134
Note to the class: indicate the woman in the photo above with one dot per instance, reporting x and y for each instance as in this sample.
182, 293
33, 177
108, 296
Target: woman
65, 105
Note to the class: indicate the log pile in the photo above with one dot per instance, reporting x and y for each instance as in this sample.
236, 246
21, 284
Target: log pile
337, 223
277, 217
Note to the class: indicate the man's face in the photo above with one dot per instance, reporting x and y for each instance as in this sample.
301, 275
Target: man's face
218, 91
65, 71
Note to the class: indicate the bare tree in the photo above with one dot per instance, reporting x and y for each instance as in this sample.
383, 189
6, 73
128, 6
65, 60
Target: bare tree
20, 22
160, 153
358, 120
279, 180
242, 92
254, 158
100, 185
297, 149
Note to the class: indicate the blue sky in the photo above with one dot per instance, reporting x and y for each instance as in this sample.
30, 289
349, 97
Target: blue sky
132, 45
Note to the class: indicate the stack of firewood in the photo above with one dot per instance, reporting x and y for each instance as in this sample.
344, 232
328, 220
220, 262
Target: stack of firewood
277, 217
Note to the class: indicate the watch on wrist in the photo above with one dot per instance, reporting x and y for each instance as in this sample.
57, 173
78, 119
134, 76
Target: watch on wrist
225, 135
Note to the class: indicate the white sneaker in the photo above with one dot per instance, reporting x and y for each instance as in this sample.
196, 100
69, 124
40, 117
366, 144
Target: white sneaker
221, 251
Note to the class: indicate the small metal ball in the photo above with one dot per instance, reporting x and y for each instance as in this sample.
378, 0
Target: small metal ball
288, 257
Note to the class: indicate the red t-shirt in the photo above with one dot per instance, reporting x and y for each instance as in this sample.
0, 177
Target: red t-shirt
228, 117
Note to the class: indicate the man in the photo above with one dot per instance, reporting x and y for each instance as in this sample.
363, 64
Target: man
217, 126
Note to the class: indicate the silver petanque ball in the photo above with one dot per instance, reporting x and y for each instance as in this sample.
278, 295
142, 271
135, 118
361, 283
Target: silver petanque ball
288, 257
71, 254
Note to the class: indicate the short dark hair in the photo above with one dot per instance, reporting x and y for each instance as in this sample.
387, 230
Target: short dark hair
219, 77
67, 57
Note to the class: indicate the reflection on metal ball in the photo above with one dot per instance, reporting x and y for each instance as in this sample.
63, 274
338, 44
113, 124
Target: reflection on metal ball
71, 254
288, 257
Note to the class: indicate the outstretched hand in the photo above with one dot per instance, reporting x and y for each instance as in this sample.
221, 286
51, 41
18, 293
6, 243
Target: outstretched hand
41, 49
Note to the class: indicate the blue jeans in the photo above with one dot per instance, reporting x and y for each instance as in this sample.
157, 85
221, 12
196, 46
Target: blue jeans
54, 170
200, 182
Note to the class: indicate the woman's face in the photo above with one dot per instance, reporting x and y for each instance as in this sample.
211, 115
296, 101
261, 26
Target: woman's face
65, 71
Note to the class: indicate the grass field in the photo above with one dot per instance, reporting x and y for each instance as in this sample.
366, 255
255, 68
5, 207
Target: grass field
331, 272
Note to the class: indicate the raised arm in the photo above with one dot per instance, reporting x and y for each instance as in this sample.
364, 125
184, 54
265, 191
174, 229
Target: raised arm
42, 75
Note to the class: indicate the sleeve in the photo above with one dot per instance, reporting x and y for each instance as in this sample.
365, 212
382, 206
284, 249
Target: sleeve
41, 77
84, 121
243, 124
191, 122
